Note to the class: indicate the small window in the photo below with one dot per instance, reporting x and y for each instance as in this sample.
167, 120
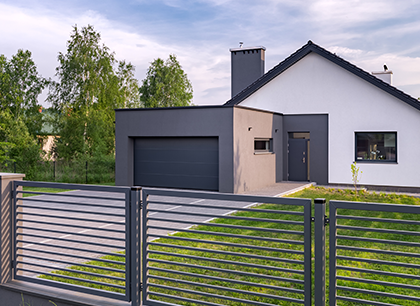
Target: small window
376, 147
262, 145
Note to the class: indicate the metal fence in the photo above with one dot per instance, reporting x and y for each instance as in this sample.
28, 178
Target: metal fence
217, 249
71, 239
360, 229
73, 171
204, 248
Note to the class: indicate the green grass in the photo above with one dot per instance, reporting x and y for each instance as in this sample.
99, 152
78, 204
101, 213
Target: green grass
53, 190
350, 195
168, 249
41, 189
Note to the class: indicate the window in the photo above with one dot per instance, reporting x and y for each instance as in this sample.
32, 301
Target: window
376, 147
262, 145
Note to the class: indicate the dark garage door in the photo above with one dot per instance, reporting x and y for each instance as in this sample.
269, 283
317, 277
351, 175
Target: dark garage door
177, 162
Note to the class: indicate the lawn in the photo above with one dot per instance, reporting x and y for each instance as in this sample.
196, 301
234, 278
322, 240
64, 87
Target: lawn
37, 190
165, 253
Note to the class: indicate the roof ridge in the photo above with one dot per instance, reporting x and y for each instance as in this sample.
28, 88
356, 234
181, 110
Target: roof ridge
312, 47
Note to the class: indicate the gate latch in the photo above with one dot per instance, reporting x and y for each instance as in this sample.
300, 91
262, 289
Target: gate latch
326, 220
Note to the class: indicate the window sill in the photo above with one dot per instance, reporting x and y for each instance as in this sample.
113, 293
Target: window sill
263, 153
366, 161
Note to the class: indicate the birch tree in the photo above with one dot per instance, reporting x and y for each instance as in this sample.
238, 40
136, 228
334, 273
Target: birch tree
91, 84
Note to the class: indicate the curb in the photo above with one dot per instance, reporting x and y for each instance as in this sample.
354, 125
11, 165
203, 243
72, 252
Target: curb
295, 190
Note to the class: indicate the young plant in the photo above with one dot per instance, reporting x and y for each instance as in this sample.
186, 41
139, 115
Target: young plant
355, 175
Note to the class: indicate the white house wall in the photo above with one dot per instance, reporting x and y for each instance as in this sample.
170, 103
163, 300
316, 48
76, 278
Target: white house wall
315, 85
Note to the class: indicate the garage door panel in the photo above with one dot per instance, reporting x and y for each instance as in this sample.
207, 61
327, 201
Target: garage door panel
177, 155
180, 181
179, 167
177, 162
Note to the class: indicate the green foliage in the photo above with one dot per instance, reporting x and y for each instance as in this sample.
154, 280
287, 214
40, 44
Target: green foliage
20, 145
88, 91
355, 175
166, 85
20, 118
20, 86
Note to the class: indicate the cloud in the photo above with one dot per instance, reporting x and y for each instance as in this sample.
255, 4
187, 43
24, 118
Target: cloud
350, 12
365, 32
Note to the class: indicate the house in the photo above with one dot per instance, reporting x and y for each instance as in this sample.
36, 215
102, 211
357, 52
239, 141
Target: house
307, 119
47, 136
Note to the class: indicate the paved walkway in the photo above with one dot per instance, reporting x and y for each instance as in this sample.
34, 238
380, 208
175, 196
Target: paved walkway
281, 189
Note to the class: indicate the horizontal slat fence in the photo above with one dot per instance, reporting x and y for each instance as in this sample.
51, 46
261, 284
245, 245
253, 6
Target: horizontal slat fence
76, 240
374, 254
207, 248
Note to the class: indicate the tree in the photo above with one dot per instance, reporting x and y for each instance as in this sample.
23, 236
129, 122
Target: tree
355, 175
20, 86
17, 144
166, 85
92, 83
128, 86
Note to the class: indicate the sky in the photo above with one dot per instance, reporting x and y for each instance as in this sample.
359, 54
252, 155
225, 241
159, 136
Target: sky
368, 33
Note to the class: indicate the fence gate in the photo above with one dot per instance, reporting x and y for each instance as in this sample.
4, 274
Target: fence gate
76, 240
215, 249
373, 261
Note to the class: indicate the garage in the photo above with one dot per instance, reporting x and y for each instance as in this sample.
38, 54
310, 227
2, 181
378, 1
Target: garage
177, 162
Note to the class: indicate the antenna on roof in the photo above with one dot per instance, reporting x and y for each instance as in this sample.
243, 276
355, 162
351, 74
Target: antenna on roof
385, 67
240, 44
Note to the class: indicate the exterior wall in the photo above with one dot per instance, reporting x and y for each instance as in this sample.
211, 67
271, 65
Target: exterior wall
315, 85
252, 171
174, 122
317, 125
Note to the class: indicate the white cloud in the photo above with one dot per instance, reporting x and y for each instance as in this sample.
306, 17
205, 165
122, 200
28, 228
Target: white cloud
351, 12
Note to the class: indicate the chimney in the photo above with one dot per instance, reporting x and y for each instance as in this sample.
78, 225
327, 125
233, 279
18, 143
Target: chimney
247, 66
385, 76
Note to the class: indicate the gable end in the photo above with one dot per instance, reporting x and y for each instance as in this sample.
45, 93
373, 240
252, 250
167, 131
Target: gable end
301, 53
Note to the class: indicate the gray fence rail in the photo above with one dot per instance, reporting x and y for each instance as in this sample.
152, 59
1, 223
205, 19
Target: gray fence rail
59, 235
214, 249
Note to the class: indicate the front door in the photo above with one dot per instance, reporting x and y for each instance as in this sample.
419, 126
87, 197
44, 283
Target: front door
298, 159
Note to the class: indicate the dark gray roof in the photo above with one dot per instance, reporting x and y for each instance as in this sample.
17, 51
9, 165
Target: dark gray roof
305, 50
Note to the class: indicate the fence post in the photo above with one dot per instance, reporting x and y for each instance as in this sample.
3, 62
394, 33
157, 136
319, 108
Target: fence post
6, 226
320, 222
135, 241
86, 171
